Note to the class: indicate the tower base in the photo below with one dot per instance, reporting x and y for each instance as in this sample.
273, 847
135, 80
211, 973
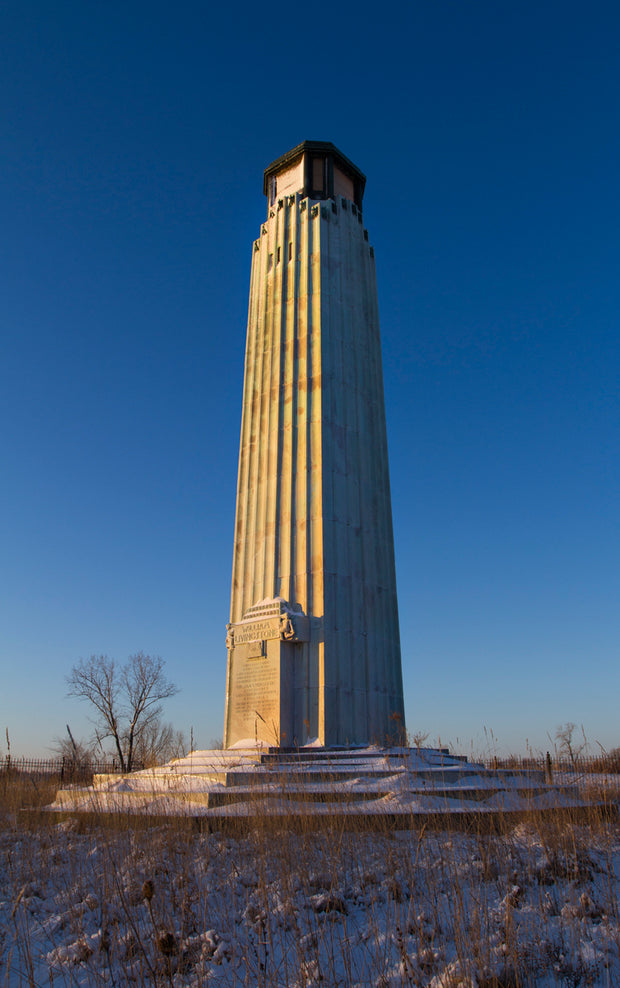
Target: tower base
267, 694
395, 787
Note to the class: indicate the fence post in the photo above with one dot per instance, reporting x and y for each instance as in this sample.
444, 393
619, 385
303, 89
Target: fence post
549, 768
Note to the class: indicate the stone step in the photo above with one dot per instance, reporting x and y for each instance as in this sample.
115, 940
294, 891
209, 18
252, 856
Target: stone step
308, 795
335, 775
351, 754
311, 774
290, 794
351, 781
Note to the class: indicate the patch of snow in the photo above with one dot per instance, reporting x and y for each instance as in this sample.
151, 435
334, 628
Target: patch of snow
416, 907
249, 744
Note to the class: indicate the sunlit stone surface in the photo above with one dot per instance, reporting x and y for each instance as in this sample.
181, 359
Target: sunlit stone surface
313, 640
402, 784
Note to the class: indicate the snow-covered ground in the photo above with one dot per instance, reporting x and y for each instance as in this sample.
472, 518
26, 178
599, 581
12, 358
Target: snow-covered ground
164, 905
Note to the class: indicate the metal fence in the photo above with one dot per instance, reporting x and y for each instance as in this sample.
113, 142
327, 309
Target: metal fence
63, 769
69, 769
608, 763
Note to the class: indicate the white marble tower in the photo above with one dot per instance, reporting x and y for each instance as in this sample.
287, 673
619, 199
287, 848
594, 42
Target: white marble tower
313, 640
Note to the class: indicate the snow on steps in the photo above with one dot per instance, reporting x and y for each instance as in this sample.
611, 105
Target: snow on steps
255, 780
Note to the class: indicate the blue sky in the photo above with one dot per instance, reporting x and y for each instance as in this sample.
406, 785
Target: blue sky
133, 142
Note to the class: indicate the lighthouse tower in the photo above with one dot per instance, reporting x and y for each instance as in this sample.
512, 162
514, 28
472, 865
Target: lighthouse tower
313, 639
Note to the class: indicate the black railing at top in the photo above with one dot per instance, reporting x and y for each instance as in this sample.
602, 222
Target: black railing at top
66, 769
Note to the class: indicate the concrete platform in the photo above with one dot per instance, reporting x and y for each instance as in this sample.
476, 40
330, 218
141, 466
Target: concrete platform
256, 780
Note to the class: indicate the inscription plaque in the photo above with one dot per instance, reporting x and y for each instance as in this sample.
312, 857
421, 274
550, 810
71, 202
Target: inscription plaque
257, 689
258, 631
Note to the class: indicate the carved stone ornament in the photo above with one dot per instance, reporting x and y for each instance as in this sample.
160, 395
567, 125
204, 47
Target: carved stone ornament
287, 631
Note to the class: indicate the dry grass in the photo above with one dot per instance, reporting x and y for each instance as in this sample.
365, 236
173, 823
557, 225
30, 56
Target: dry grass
114, 901
20, 791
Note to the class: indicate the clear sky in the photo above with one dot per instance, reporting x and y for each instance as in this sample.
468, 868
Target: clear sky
133, 142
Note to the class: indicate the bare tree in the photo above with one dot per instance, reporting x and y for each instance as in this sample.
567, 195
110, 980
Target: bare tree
419, 738
127, 700
566, 743
79, 752
158, 743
